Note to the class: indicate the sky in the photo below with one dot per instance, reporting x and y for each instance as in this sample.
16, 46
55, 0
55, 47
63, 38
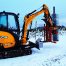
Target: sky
26, 6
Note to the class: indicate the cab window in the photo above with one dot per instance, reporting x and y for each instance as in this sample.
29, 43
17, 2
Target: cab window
11, 22
3, 20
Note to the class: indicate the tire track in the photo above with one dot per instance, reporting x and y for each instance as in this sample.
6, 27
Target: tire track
55, 61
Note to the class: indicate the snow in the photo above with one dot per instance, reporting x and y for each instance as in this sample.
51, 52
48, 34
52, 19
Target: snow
52, 54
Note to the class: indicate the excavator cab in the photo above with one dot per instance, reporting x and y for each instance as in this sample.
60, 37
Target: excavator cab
9, 22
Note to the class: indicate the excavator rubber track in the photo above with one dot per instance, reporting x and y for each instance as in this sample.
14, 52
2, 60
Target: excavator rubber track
14, 53
18, 51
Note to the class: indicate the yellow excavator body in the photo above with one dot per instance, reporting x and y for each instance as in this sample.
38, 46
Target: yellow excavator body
6, 39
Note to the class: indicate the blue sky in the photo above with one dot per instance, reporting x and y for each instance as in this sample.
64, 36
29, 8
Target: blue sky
26, 6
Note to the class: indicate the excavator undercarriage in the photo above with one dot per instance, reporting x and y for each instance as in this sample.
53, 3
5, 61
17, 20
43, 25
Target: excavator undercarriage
15, 52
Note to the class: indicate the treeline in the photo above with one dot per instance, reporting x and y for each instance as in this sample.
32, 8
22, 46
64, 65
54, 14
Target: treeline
62, 28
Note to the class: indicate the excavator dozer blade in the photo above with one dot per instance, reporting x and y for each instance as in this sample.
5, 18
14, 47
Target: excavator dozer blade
33, 45
38, 44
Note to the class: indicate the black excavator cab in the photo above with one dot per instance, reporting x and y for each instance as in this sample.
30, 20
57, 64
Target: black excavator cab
9, 22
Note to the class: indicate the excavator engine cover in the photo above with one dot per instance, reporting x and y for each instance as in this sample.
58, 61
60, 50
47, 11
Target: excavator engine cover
6, 39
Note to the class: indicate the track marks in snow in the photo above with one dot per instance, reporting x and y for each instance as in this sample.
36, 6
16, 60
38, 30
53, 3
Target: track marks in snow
55, 61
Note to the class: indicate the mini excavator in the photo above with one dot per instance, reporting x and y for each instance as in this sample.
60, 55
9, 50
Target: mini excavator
10, 45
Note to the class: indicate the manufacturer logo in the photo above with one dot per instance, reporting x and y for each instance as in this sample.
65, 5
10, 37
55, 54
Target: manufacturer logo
5, 37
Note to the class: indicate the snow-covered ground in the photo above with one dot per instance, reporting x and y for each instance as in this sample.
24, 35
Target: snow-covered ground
50, 55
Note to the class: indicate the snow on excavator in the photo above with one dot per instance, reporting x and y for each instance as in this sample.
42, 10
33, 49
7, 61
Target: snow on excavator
10, 45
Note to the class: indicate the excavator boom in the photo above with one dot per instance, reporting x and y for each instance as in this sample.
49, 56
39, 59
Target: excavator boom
28, 19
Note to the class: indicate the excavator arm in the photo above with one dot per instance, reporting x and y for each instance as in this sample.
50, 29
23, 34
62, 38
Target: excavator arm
28, 19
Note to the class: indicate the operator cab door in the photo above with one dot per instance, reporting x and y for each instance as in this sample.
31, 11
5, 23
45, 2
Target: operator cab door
12, 24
